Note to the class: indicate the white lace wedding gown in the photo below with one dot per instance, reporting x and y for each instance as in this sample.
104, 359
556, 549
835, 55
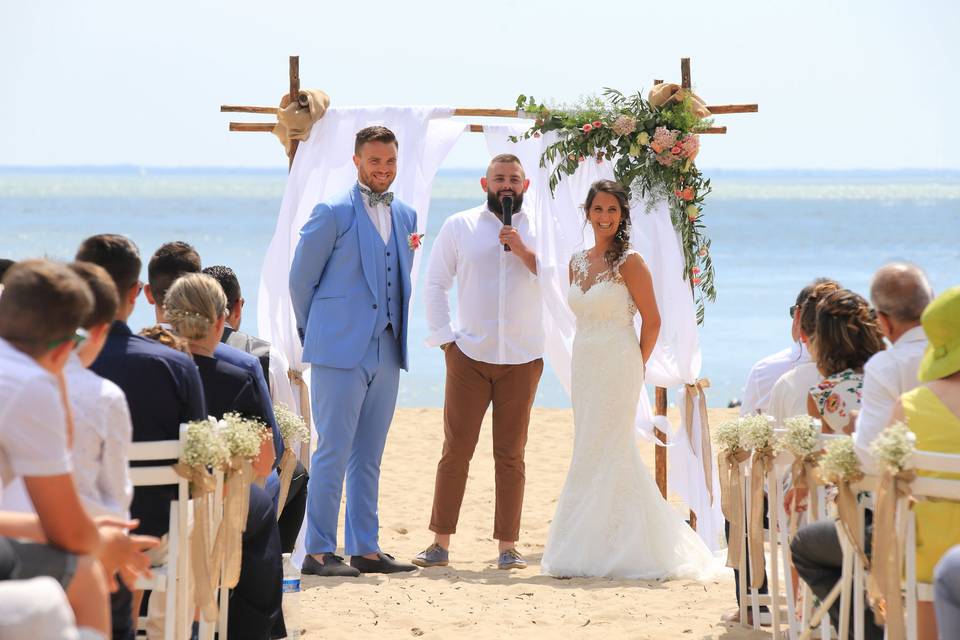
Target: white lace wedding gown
611, 520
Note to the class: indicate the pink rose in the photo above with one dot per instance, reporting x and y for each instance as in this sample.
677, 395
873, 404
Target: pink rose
687, 194
696, 281
695, 270
414, 241
676, 150
587, 128
597, 124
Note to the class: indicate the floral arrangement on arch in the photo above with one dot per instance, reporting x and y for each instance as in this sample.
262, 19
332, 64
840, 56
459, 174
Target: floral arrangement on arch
652, 148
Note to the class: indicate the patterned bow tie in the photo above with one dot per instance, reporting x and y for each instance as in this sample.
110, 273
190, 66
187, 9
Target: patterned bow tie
376, 198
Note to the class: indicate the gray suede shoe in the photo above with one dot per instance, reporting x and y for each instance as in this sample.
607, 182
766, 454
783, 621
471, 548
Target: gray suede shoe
511, 559
432, 556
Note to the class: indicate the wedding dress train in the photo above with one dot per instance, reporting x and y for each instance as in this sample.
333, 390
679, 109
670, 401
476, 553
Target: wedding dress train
611, 520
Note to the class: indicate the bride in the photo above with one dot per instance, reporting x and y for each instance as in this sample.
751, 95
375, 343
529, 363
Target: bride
611, 520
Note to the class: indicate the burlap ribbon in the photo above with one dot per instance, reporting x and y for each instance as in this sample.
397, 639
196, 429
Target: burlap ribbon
228, 543
288, 464
846, 502
296, 378
883, 583
296, 119
667, 93
803, 476
731, 500
202, 562
762, 465
691, 391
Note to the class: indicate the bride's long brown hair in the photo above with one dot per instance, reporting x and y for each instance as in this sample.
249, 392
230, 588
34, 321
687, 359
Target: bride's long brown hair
621, 241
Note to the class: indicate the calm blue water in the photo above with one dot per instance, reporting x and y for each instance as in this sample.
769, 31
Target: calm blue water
771, 232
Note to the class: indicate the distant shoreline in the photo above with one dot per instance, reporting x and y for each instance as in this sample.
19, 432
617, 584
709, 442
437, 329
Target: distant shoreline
454, 172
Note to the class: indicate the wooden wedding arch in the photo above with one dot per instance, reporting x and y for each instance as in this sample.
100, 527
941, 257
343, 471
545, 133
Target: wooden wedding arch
660, 405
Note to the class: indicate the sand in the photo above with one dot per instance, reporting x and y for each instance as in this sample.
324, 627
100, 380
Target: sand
472, 598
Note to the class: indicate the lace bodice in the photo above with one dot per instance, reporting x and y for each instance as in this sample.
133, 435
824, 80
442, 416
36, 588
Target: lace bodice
598, 297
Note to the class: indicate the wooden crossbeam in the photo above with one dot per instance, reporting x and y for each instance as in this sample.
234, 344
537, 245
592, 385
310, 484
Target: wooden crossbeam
717, 109
473, 128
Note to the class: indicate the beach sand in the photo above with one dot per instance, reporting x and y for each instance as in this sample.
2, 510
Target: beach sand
472, 598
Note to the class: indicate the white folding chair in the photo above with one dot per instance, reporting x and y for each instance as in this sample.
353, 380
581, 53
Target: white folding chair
174, 576
924, 488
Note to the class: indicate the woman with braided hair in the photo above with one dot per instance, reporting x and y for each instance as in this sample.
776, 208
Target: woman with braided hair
846, 335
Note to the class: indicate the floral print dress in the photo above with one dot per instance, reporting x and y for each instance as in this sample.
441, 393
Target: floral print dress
837, 396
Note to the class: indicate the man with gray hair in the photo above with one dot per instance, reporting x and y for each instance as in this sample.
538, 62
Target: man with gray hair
899, 292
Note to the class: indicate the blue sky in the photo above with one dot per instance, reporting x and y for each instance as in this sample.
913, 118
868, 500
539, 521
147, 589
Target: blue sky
841, 85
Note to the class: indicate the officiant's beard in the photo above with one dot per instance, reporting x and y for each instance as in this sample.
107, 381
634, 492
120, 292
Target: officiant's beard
493, 202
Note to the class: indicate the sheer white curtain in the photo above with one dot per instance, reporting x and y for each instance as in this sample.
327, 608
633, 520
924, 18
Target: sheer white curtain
561, 231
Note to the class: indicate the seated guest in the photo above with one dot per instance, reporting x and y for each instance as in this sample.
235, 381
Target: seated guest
162, 388
900, 293
168, 263
789, 395
166, 337
101, 419
275, 366
43, 305
196, 307
763, 374
946, 593
932, 412
846, 336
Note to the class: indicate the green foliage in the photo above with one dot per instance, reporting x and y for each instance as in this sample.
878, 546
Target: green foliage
587, 131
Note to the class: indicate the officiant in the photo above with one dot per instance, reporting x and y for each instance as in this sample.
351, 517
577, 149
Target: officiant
493, 352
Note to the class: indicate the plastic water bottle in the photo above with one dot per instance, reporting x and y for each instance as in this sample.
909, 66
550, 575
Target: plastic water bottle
291, 598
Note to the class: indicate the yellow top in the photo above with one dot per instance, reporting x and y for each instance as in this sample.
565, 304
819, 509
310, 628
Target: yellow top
938, 522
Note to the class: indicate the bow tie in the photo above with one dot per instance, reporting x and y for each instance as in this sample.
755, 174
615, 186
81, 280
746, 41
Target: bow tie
377, 198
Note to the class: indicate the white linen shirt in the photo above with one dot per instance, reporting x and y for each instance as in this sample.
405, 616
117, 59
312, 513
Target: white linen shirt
886, 375
790, 393
33, 425
499, 302
765, 373
379, 214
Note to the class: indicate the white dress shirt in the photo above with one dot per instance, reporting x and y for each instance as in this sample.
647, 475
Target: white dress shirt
885, 376
765, 373
379, 215
790, 393
499, 303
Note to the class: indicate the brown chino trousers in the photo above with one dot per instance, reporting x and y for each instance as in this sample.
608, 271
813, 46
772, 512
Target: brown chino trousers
470, 388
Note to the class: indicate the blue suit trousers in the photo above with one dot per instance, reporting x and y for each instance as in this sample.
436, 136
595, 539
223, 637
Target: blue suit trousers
352, 410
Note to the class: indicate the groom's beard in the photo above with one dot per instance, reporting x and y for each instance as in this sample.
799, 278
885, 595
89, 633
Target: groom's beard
494, 204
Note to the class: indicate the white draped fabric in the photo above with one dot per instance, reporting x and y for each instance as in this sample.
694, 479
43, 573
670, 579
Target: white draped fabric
323, 168
561, 231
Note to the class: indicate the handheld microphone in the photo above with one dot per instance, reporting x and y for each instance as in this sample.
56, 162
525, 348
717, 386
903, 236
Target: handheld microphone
507, 205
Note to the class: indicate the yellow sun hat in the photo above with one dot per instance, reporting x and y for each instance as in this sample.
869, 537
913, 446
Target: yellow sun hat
941, 323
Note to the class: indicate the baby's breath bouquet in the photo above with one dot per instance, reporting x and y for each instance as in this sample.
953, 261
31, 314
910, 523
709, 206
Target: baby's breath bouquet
203, 445
894, 446
293, 428
802, 436
243, 436
756, 432
727, 436
840, 462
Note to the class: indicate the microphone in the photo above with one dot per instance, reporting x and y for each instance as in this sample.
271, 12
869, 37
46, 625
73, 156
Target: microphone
507, 205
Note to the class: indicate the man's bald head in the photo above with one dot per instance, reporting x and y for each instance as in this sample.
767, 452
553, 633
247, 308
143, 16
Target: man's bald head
901, 291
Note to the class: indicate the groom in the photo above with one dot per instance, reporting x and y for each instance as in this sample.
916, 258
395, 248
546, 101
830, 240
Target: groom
350, 288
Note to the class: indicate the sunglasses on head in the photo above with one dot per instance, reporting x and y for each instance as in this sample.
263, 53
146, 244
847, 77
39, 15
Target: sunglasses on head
79, 337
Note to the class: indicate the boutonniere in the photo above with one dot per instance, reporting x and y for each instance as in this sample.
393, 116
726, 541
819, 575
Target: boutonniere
414, 240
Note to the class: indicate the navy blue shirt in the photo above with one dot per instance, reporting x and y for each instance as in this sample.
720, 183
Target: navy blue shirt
250, 364
163, 390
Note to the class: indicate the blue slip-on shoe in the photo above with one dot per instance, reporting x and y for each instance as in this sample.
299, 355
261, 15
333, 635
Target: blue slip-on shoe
511, 559
432, 556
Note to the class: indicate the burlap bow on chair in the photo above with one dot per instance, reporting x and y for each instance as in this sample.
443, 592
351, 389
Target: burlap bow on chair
761, 466
691, 393
666, 94
204, 564
295, 119
803, 476
731, 500
883, 583
228, 543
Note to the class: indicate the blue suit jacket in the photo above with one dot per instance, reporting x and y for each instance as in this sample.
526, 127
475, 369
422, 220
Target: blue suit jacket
333, 280
163, 389
251, 365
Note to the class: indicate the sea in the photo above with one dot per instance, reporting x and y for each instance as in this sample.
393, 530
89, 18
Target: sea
772, 232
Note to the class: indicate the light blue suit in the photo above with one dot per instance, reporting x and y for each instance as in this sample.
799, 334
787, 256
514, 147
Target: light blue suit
351, 295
